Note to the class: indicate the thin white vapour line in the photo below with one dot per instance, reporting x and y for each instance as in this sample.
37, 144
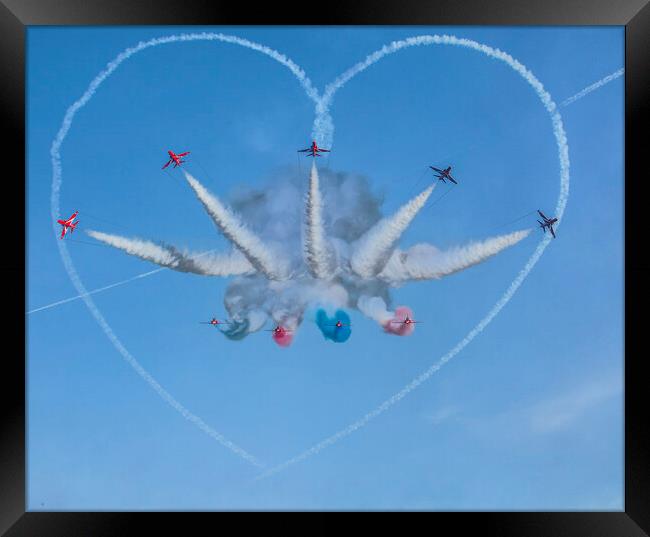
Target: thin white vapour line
593, 87
106, 287
94, 291
57, 179
563, 154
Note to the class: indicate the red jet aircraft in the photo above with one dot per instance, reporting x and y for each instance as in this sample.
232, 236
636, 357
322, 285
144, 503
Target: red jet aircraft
279, 330
444, 174
314, 150
68, 224
176, 159
408, 320
215, 322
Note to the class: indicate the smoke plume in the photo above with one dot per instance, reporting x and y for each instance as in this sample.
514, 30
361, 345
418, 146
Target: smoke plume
397, 326
328, 325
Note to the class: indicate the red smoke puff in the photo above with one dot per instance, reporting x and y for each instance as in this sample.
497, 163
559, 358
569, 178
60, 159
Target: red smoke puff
399, 328
284, 339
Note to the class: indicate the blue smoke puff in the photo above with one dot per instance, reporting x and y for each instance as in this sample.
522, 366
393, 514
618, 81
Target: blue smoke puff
327, 325
237, 330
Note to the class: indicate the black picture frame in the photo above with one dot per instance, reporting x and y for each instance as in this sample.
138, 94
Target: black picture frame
17, 15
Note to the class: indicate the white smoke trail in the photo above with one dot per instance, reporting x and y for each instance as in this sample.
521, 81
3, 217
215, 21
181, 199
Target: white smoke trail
563, 155
593, 87
374, 248
57, 179
315, 246
248, 243
425, 262
232, 264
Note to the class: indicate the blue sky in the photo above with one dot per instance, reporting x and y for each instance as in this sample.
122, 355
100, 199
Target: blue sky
528, 417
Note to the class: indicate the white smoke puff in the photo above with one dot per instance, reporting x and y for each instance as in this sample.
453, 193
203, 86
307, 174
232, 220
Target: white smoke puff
247, 294
374, 248
256, 320
294, 297
327, 294
274, 213
287, 317
298, 295
289, 301
425, 262
351, 206
375, 308
274, 210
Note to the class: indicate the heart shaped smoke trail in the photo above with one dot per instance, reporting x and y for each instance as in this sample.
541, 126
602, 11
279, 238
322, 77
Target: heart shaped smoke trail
325, 245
